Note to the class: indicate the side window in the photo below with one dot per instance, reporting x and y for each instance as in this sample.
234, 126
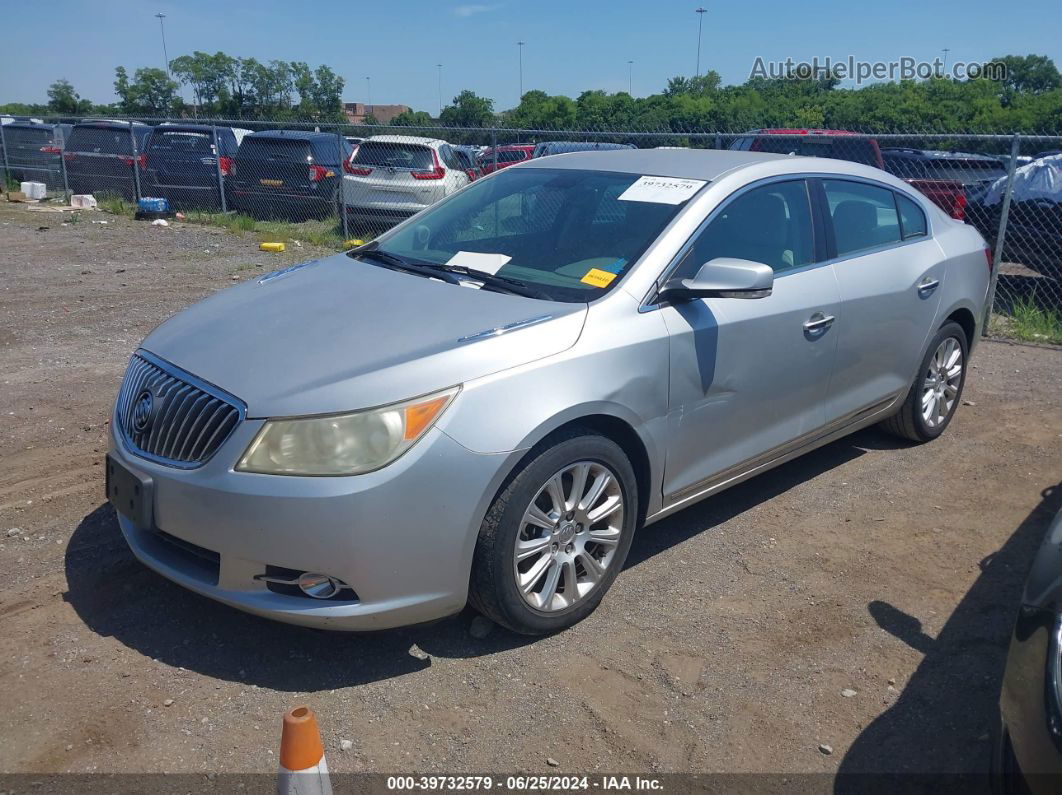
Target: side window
912, 219
864, 216
770, 224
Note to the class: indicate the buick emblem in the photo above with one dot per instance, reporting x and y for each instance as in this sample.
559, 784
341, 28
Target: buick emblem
143, 411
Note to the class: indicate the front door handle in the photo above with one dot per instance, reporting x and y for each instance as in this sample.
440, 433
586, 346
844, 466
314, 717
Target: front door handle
928, 285
818, 322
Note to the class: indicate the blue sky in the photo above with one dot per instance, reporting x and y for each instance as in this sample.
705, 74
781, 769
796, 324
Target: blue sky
570, 46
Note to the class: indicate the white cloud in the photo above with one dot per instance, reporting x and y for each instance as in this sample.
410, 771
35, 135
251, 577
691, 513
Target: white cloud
469, 10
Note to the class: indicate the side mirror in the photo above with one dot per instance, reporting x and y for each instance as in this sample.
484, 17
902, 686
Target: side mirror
722, 277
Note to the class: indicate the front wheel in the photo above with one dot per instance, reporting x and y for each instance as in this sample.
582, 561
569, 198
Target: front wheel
556, 536
937, 389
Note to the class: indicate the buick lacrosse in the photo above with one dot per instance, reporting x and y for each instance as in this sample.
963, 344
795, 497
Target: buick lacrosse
484, 404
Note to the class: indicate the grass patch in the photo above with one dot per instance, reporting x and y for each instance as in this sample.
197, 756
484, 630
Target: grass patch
115, 205
327, 233
1030, 322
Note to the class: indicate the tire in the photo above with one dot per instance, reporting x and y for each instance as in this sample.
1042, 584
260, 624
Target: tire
911, 422
571, 546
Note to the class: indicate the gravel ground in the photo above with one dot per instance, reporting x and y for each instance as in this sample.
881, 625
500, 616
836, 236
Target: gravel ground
860, 597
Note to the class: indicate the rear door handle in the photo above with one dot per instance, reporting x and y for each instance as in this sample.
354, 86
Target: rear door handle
928, 285
818, 322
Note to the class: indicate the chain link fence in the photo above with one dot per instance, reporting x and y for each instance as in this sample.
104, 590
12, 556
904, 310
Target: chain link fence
355, 181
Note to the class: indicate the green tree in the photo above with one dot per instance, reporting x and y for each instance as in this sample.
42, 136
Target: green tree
413, 118
151, 92
63, 99
468, 110
1034, 74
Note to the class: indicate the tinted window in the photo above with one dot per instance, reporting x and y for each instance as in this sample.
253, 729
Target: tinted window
181, 142
864, 216
276, 150
912, 219
507, 156
838, 147
380, 153
100, 139
771, 225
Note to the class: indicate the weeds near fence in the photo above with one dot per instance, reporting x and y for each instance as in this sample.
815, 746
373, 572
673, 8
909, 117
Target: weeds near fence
325, 233
1029, 322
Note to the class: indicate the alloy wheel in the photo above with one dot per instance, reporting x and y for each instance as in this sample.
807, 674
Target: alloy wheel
568, 536
940, 389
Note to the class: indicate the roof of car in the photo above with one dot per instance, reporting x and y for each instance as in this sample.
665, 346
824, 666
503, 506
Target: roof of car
704, 164
935, 154
295, 135
404, 139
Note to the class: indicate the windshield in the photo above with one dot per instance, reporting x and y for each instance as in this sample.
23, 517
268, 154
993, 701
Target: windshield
104, 140
183, 142
571, 233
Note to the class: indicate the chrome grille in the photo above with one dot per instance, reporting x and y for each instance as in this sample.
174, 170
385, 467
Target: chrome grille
170, 416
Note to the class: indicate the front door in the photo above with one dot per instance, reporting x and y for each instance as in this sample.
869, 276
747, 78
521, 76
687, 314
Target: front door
749, 377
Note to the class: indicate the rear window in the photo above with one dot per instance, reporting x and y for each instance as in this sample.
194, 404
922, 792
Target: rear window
276, 150
182, 142
378, 153
856, 150
103, 140
24, 136
509, 156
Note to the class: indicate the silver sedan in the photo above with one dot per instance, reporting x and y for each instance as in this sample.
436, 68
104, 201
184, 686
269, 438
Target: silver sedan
486, 403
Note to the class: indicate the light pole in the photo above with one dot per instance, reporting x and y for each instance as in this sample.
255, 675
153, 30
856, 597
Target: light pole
368, 92
439, 67
700, 23
162, 27
630, 77
946, 51
520, 46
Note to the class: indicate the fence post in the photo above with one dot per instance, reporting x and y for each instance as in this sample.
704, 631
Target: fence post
1004, 214
339, 190
494, 146
217, 167
718, 141
62, 167
137, 195
3, 148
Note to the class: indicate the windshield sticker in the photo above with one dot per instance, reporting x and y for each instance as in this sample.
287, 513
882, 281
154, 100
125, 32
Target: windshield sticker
661, 190
474, 260
598, 278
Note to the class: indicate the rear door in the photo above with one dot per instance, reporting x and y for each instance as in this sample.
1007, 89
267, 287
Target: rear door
274, 165
399, 175
182, 158
101, 155
889, 270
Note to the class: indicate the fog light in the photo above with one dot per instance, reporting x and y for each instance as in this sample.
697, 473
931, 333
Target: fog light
319, 586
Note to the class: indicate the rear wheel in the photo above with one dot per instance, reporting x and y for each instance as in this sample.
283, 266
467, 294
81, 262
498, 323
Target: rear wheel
555, 538
937, 389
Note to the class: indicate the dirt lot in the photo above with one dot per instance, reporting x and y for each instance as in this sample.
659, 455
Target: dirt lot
726, 644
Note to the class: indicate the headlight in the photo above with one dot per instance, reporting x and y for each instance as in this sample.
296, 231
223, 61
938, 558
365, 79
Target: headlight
343, 444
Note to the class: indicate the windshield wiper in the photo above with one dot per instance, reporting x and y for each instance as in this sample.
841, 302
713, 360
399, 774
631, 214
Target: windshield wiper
503, 284
398, 263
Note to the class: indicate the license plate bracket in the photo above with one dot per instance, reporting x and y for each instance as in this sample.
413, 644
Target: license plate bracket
132, 495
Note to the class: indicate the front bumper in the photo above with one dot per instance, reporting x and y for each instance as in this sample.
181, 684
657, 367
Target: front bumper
402, 537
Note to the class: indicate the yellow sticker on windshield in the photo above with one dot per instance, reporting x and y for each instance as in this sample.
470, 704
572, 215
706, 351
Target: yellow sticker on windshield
598, 278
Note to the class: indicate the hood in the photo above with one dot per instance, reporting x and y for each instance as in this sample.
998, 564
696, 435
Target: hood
340, 334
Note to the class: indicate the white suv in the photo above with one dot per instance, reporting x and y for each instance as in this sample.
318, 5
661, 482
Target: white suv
392, 177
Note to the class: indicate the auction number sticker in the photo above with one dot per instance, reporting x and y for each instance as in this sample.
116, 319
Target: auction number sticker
661, 190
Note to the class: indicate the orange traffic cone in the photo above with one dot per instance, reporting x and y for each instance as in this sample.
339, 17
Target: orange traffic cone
303, 770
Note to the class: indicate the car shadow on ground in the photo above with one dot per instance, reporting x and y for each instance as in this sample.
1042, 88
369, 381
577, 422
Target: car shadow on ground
944, 721
117, 596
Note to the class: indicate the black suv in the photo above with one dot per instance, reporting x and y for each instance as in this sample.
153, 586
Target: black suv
35, 151
289, 174
101, 156
182, 164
